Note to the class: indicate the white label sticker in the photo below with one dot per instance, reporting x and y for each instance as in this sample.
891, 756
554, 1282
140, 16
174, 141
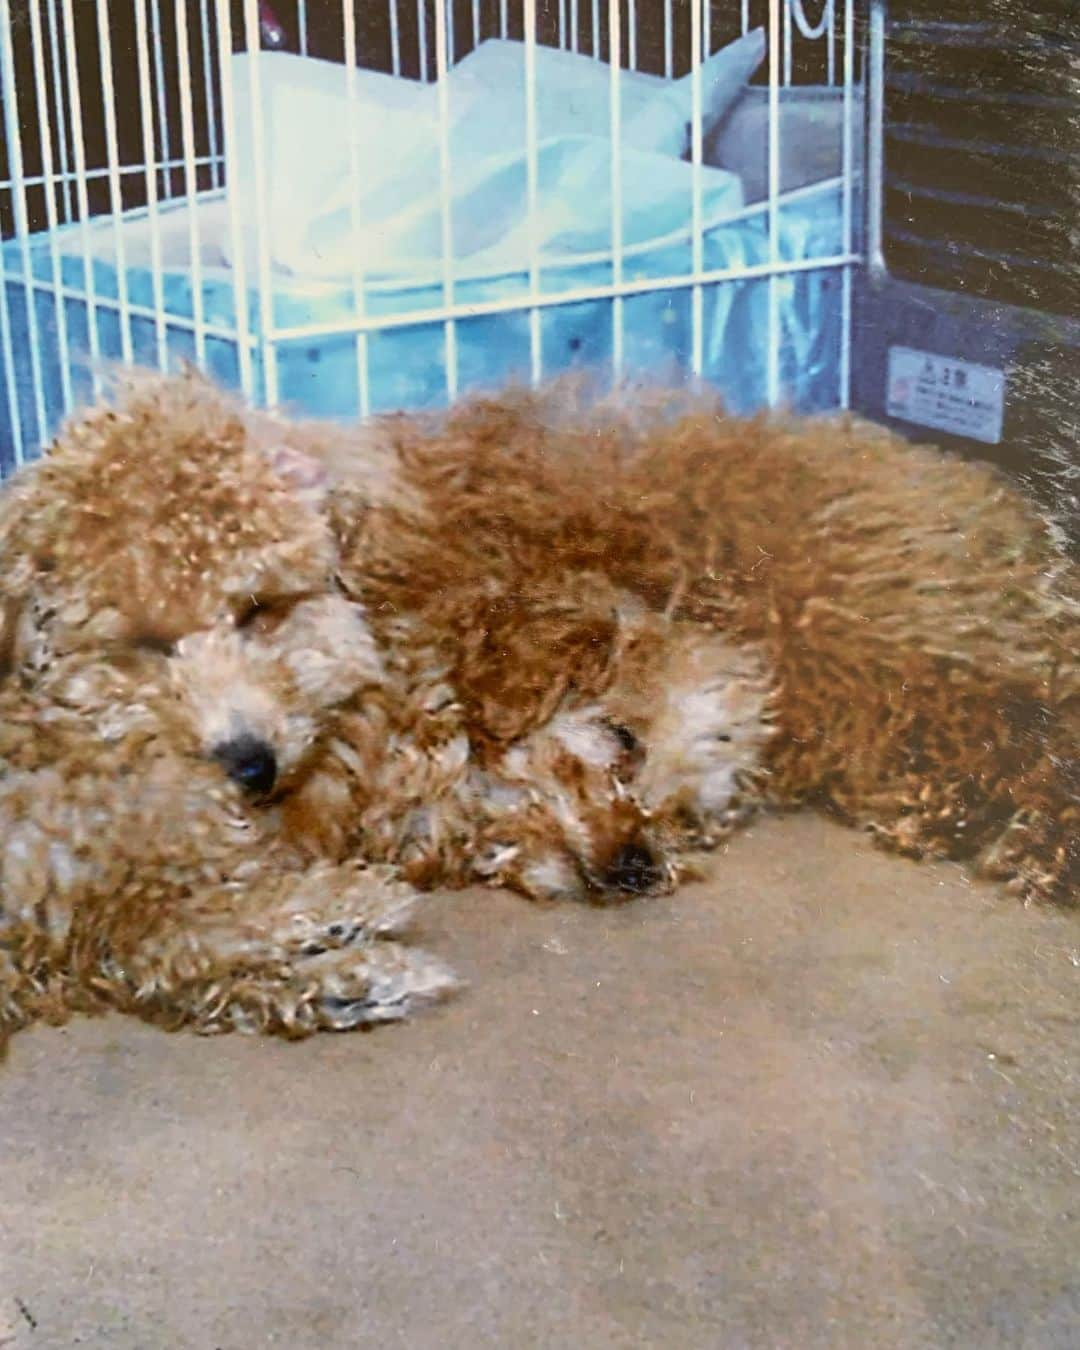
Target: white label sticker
942, 392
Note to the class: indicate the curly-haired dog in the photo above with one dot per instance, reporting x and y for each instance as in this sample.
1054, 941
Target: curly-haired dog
265, 680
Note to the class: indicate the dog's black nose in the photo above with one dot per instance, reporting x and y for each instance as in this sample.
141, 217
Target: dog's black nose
633, 869
249, 762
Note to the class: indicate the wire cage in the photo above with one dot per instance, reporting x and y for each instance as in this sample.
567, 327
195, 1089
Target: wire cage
343, 207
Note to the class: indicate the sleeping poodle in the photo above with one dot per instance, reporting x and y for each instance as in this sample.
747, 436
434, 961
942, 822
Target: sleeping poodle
261, 682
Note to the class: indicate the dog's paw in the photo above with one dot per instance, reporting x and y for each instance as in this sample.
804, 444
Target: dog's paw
354, 975
381, 983
331, 907
338, 990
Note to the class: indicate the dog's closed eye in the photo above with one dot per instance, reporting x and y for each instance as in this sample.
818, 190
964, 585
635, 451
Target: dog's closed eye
153, 642
263, 614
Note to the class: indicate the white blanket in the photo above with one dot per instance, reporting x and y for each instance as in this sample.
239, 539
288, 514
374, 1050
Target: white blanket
351, 180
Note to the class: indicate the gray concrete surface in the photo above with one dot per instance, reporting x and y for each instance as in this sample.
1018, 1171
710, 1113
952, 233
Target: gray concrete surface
824, 1098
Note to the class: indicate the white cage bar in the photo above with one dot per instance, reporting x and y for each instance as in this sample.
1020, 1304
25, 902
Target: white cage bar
142, 221
22, 228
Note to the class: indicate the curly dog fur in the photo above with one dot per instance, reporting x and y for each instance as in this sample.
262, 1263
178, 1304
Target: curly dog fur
264, 681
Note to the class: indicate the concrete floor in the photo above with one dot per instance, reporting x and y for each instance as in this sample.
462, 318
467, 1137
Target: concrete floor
828, 1098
